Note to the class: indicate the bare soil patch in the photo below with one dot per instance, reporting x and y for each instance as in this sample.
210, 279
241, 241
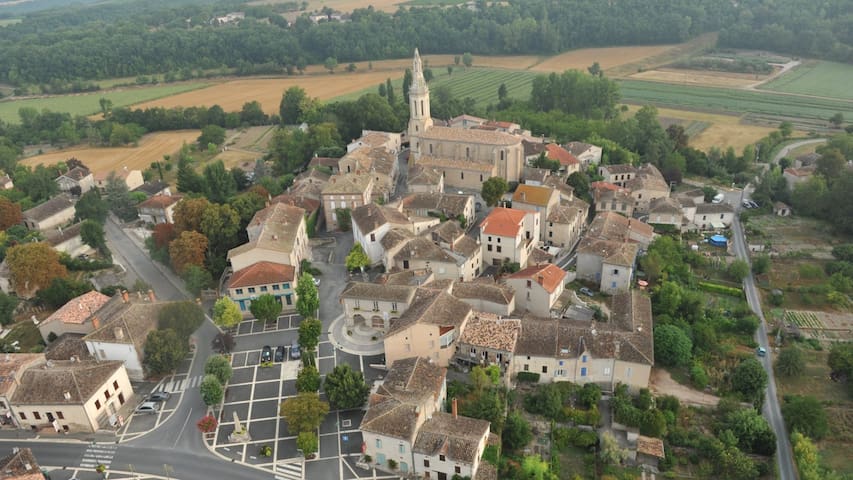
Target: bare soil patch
797, 234
699, 77
608, 57
662, 384
151, 148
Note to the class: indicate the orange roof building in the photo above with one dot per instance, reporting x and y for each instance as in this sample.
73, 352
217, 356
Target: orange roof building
537, 288
75, 316
276, 279
503, 222
567, 161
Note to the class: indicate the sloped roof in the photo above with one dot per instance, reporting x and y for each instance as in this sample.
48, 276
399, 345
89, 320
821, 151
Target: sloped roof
547, 275
491, 292
310, 205
127, 323
160, 201
47, 385
11, 364
79, 309
57, 237
611, 251
347, 183
612, 226
487, 331
464, 135
577, 148
556, 152
21, 464
504, 222
457, 438
395, 237
50, 208
77, 173
423, 175
532, 194
665, 205
705, 208
620, 168
533, 174
432, 307
448, 203
152, 188
375, 291
565, 214
446, 162
650, 446
273, 228
262, 273
370, 216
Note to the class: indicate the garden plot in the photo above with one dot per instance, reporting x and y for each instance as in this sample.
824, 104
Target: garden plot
822, 325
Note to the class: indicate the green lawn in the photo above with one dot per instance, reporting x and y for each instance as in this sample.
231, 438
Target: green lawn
732, 101
826, 79
88, 103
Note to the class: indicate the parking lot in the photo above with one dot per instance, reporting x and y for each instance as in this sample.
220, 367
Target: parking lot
255, 393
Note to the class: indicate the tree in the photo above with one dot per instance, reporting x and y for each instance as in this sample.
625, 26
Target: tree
449, 71
253, 114
91, 207
357, 259
32, 266
672, 346
786, 129
595, 69
266, 308
196, 279
182, 317
219, 366
211, 134
211, 390
516, 432
806, 415
106, 106
207, 424
8, 304
791, 362
118, 197
331, 63
295, 103
502, 92
309, 334
345, 388
307, 297
738, 270
10, 213
807, 457
188, 214
493, 190
467, 59
610, 451
186, 250
753, 433
580, 183
761, 264
840, 359
456, 60
749, 379
226, 313
164, 351
308, 379
92, 234
189, 181
308, 443
304, 412
534, 468
837, 119
831, 164
220, 182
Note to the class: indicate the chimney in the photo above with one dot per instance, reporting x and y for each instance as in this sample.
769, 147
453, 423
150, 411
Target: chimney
540, 279
67, 395
119, 333
455, 409
151, 296
96, 323
125, 297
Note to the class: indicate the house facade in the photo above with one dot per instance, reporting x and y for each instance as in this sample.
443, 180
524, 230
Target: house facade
587, 154
276, 234
132, 178
565, 224
507, 234
79, 177
448, 205
374, 305
489, 340
57, 211
346, 191
371, 222
158, 209
76, 316
537, 288
713, 216
276, 279
12, 368
617, 174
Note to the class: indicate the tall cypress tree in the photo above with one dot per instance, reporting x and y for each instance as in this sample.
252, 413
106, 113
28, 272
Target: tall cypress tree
407, 82
389, 92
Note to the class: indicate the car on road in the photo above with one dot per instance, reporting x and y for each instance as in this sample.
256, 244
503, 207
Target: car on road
586, 292
266, 354
294, 350
148, 407
761, 352
159, 396
279, 353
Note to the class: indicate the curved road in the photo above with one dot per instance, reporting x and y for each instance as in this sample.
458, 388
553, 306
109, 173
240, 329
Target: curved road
787, 149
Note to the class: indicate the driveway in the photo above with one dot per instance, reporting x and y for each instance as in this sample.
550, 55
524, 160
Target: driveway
663, 384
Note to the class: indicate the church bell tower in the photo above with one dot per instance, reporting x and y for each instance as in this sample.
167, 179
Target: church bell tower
419, 116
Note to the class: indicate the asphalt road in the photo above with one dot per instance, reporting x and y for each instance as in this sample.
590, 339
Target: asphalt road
771, 410
787, 149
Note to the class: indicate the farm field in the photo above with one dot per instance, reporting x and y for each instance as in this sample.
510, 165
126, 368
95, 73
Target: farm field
699, 77
730, 100
231, 95
151, 148
822, 325
437, 62
482, 84
789, 235
827, 79
608, 57
88, 103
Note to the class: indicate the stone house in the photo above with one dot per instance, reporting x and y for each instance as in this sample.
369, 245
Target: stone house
6, 182
586, 153
569, 164
158, 209
489, 339
617, 174
345, 191
647, 185
609, 199
484, 296
457, 257
449, 205
371, 222
666, 211
795, 176
536, 199
131, 178
79, 177
72, 396
277, 234
565, 223
67, 240
374, 305
423, 179
608, 263
12, 368
781, 209
59, 210
276, 279
713, 216
537, 288
76, 316
466, 121
448, 445
509, 235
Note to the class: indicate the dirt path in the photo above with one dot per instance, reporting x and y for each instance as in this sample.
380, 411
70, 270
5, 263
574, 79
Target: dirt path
785, 68
663, 384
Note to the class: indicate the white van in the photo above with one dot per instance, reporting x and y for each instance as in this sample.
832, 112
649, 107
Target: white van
718, 198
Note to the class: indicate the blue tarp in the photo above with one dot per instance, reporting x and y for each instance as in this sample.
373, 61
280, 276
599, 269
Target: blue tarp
719, 241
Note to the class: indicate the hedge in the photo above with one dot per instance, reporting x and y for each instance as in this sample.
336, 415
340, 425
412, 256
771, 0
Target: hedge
528, 377
721, 289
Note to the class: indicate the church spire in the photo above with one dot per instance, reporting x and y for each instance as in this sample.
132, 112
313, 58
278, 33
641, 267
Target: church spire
419, 115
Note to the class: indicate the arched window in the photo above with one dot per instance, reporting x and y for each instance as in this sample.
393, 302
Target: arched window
422, 108
467, 152
502, 154
430, 149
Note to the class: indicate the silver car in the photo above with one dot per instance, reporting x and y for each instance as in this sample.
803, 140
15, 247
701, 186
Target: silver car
148, 407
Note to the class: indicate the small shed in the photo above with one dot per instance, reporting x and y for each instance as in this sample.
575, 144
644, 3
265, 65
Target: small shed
719, 241
781, 209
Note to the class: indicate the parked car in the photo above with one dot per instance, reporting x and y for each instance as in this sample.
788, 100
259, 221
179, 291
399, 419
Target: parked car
159, 396
279, 353
148, 407
294, 350
754, 204
586, 292
761, 352
266, 354
746, 204
718, 198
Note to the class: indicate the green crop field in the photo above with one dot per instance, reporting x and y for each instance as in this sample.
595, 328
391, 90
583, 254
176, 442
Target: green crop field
825, 79
732, 101
89, 103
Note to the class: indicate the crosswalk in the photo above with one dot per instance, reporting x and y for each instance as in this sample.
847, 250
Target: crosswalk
97, 454
177, 385
289, 471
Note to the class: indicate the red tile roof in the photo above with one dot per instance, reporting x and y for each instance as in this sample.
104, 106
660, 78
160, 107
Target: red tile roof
160, 201
556, 152
504, 222
79, 309
605, 186
262, 273
547, 275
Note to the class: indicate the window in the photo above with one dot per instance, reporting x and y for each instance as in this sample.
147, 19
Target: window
526, 367
441, 457
583, 371
239, 291
583, 358
2, 404
489, 248
375, 305
106, 394
721, 216
560, 373
286, 286
499, 249
467, 152
704, 217
372, 237
528, 295
401, 448
550, 233
481, 177
97, 404
503, 154
529, 283
60, 416
23, 415
544, 368
430, 149
394, 307
607, 370
121, 399
490, 238
628, 372
378, 443
115, 384
36, 415
276, 287
499, 239
426, 462
457, 469
264, 288
615, 271
251, 289
462, 175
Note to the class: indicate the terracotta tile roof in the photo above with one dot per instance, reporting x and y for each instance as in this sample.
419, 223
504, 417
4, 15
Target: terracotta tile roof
706, 208
77, 173
121, 173
567, 215
531, 174
612, 226
414, 278
324, 162
47, 385
450, 204
21, 464
434, 308
58, 237
79, 309
500, 124
423, 248
601, 185
648, 178
503, 222
532, 148
650, 446
487, 331
312, 175
577, 148
440, 163
370, 216
533, 195
539, 256
348, 183
127, 323
548, 275
396, 406
470, 136
12, 365
631, 314
665, 205
310, 205
152, 188
492, 292
66, 346
560, 154
375, 291
610, 251
621, 196
395, 237
467, 118
423, 175
566, 190
457, 438
262, 273
486, 471
160, 202
799, 172
50, 208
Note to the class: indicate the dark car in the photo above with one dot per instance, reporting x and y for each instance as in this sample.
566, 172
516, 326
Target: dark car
279, 353
266, 354
159, 396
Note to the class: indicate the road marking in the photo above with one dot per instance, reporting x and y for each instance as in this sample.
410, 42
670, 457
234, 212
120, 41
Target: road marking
183, 428
97, 454
289, 471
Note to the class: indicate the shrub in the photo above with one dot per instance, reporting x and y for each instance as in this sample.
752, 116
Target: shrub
308, 443
529, 377
207, 424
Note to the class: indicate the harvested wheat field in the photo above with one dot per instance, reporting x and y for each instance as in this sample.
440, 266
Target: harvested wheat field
238, 158
151, 148
699, 77
606, 57
513, 62
232, 95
